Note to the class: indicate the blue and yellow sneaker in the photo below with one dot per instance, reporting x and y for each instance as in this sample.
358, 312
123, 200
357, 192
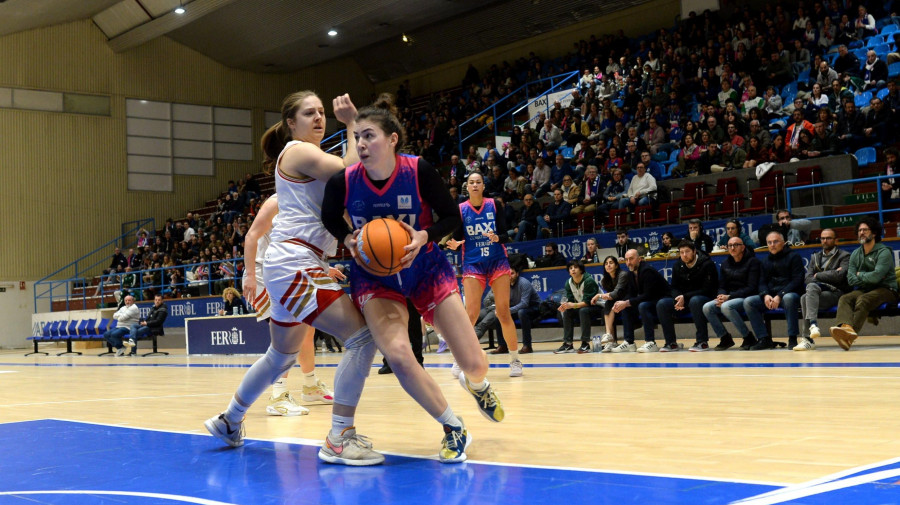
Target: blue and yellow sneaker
487, 400
453, 447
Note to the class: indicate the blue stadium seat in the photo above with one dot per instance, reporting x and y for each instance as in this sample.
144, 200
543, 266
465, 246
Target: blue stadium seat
894, 70
888, 29
865, 156
862, 100
883, 92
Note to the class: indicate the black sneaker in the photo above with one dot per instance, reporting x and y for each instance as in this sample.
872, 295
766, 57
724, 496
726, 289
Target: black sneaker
385, 369
792, 342
564, 349
763, 344
585, 348
749, 341
725, 343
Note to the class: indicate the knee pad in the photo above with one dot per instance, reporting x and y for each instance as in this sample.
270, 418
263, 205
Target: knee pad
279, 362
354, 367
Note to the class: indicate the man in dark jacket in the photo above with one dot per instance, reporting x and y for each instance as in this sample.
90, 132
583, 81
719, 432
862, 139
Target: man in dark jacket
651, 287
826, 281
694, 283
152, 325
527, 220
780, 283
738, 279
556, 216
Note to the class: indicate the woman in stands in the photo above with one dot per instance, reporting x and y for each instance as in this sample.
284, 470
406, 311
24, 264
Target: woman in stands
385, 184
618, 284
296, 278
484, 262
781, 152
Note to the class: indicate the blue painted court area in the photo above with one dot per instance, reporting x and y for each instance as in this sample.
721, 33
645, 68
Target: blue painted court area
67, 463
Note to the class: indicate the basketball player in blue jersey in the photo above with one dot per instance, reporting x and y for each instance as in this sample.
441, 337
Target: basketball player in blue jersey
406, 188
485, 262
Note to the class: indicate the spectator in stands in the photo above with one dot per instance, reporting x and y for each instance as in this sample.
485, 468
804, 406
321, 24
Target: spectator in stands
774, 102
702, 242
781, 152
614, 191
826, 76
780, 284
541, 177
817, 99
793, 130
591, 193
753, 101
890, 188
824, 143
571, 192
874, 72
687, 157
557, 173
641, 190
118, 262
778, 70
551, 257
550, 135
734, 229
694, 283
711, 157
188, 231
733, 157
756, 153
524, 304
738, 279
654, 136
876, 122
457, 167
126, 316
528, 225
846, 64
826, 281
716, 133
152, 325
728, 94
850, 125
129, 281
736, 139
233, 303
580, 290
873, 280
494, 183
618, 285
556, 216
651, 287
864, 24
591, 251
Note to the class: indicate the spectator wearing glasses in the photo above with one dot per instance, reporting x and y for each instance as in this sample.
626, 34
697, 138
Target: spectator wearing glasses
733, 229
826, 281
527, 220
738, 279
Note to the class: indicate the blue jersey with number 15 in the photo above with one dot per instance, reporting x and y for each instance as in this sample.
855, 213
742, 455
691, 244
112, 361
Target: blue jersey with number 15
477, 247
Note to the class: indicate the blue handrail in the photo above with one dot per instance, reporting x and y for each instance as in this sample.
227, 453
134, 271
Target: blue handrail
342, 139
46, 286
563, 79
875, 179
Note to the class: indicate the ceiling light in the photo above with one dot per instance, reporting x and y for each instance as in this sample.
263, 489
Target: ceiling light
405, 39
180, 8
332, 32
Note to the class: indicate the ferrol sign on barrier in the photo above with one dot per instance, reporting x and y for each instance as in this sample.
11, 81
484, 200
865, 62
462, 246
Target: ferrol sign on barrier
226, 335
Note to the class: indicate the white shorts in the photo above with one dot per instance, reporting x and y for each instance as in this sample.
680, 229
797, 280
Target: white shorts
297, 282
261, 303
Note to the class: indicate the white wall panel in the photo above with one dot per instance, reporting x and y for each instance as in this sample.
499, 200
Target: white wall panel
147, 109
192, 149
149, 146
148, 128
233, 134
192, 131
238, 117
149, 182
149, 164
243, 152
37, 100
192, 113
194, 166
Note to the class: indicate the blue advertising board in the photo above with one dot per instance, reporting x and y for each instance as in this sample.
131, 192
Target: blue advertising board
226, 335
182, 308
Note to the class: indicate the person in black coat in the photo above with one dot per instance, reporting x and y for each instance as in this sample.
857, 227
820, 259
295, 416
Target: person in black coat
651, 287
694, 283
234, 303
151, 325
738, 279
780, 285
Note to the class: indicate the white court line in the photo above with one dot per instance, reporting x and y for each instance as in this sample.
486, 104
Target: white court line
90, 492
782, 496
9, 371
114, 399
829, 478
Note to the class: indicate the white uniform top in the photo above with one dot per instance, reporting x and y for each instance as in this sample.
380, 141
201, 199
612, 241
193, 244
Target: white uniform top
261, 245
300, 210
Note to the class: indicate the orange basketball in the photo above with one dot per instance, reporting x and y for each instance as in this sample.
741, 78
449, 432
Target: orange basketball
380, 245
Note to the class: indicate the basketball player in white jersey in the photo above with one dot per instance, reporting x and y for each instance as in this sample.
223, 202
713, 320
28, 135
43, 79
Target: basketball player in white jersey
296, 279
281, 403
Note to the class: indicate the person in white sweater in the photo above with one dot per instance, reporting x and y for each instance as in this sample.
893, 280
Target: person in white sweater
126, 316
641, 191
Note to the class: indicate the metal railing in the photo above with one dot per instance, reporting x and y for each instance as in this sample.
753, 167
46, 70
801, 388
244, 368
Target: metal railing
876, 179
44, 287
496, 119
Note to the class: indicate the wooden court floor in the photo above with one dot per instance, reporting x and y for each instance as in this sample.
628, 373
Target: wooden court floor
767, 416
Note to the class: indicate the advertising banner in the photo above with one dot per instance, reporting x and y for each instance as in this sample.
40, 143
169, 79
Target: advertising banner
226, 335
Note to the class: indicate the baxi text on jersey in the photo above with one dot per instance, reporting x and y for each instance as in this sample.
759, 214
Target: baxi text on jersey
233, 337
478, 229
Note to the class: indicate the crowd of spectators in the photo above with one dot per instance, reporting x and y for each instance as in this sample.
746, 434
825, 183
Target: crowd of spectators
716, 93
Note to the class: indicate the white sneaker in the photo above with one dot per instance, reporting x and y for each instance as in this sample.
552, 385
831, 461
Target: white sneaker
129, 343
607, 338
317, 393
624, 347
648, 347
515, 368
349, 449
285, 405
220, 428
455, 370
806, 344
120, 352
814, 332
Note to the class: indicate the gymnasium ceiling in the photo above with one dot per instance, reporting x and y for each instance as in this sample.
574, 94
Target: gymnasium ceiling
282, 36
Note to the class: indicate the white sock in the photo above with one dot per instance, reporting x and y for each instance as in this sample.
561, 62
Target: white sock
513, 355
310, 379
480, 386
339, 424
235, 412
279, 387
448, 417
